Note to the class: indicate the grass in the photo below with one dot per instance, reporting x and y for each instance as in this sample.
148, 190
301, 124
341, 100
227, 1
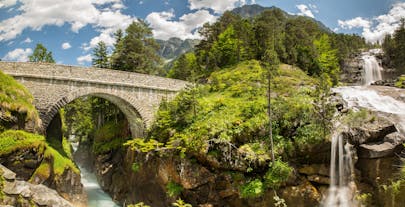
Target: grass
14, 97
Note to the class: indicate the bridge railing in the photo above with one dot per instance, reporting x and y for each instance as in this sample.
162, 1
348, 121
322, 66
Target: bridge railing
91, 75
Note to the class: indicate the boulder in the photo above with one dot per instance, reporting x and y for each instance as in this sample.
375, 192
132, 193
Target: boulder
7, 174
378, 150
21, 193
370, 132
395, 138
302, 195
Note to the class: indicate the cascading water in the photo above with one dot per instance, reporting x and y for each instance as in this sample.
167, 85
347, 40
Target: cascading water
372, 69
365, 97
342, 187
340, 192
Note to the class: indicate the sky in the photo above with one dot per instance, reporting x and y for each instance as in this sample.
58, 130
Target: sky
71, 29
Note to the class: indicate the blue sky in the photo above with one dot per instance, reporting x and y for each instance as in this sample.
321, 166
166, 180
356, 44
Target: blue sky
71, 29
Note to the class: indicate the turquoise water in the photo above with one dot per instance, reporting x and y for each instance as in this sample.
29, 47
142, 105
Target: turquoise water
95, 195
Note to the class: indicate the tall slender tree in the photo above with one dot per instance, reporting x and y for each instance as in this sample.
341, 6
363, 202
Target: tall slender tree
41, 54
270, 63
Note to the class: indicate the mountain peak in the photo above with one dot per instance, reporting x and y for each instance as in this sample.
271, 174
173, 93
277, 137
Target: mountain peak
251, 10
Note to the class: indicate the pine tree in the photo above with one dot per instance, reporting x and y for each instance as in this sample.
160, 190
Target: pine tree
100, 56
137, 50
41, 54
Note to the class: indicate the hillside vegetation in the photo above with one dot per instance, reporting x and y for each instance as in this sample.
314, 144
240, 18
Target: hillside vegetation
225, 121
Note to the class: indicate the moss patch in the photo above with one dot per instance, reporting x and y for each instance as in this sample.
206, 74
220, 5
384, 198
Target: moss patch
14, 97
12, 140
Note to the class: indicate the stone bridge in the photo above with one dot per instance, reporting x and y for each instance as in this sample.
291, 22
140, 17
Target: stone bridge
53, 86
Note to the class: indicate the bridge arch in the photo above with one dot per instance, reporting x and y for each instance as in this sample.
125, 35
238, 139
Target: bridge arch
133, 111
53, 86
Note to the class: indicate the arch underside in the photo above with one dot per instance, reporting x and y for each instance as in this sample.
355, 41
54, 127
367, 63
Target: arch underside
131, 110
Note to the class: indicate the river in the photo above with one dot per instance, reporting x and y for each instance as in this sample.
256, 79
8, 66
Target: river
96, 197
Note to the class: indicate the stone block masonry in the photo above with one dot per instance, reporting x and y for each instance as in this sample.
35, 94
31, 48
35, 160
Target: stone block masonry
53, 86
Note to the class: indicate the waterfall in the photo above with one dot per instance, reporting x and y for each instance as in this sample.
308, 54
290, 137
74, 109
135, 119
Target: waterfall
340, 192
342, 187
372, 70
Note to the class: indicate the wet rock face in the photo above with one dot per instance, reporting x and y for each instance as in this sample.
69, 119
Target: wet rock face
352, 71
200, 185
24, 194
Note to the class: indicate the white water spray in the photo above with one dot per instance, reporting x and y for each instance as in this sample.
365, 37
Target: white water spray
372, 69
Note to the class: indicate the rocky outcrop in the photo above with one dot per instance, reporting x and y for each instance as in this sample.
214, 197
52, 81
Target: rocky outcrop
27, 162
199, 184
352, 70
24, 194
372, 131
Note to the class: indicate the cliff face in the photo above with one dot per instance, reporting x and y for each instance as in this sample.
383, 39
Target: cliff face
158, 179
352, 71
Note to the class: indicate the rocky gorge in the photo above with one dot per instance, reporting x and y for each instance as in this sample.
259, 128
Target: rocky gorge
210, 144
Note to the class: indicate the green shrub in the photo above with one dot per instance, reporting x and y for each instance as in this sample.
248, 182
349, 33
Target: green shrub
173, 189
252, 189
277, 174
400, 82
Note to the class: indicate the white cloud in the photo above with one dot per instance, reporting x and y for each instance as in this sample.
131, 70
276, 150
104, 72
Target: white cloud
354, 23
219, 6
84, 59
304, 11
7, 3
19, 54
376, 28
164, 27
66, 45
314, 8
28, 40
103, 15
